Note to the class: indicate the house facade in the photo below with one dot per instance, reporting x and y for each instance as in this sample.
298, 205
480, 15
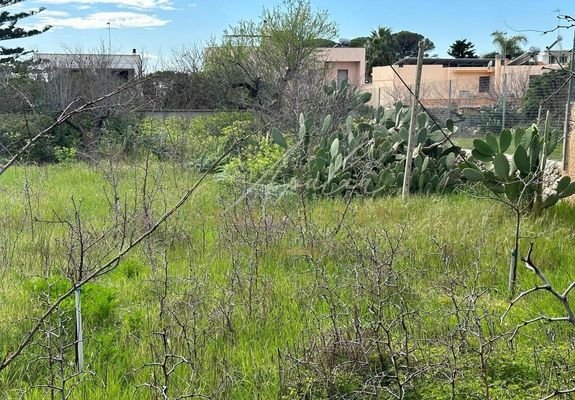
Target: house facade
467, 83
123, 66
344, 63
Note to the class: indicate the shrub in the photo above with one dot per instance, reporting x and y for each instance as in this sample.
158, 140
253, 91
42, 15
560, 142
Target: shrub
65, 155
259, 160
197, 141
17, 129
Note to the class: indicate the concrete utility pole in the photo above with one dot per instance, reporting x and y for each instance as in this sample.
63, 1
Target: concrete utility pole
413, 121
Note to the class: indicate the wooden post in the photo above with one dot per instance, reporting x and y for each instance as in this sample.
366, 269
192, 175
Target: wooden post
568, 114
414, 107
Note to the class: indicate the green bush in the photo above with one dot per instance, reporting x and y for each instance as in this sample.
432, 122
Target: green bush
259, 160
197, 141
17, 129
65, 155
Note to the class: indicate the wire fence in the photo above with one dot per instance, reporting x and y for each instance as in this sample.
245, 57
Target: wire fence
478, 105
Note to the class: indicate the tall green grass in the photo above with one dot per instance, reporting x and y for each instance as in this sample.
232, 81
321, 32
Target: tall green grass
256, 282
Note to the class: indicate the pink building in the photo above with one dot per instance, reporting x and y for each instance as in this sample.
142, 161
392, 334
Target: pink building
468, 82
344, 63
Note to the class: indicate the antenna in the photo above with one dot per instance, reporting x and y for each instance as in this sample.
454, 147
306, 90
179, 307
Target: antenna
559, 40
109, 38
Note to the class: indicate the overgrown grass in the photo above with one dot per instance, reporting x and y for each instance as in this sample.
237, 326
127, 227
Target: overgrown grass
257, 291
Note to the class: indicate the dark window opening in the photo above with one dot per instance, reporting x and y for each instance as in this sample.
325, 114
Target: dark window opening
484, 84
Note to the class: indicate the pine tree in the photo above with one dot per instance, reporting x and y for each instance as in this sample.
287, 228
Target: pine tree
9, 30
462, 49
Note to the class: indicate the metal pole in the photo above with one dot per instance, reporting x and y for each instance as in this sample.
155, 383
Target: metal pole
566, 124
504, 108
414, 103
449, 102
109, 39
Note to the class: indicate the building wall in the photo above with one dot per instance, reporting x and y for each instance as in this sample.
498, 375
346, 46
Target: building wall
387, 88
569, 166
351, 59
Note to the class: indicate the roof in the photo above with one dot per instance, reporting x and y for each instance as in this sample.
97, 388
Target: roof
90, 60
448, 62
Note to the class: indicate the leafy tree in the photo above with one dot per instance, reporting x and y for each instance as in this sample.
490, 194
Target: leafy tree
380, 48
406, 44
322, 43
184, 90
491, 54
462, 49
270, 62
359, 41
508, 46
9, 30
544, 90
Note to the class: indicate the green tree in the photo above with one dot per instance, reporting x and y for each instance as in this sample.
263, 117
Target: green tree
462, 49
271, 64
380, 48
406, 44
544, 90
359, 41
9, 30
508, 46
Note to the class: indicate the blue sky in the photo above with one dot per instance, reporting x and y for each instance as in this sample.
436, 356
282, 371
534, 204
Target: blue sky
155, 27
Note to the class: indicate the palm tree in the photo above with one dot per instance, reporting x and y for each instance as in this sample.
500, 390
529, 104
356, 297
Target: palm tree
508, 46
380, 49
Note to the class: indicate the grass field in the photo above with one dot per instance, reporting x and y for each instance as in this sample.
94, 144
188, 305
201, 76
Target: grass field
242, 297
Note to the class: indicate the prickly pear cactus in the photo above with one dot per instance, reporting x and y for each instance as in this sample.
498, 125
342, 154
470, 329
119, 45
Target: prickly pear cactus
367, 156
517, 176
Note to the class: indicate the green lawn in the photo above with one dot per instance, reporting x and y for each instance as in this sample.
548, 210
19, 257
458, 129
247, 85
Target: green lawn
240, 297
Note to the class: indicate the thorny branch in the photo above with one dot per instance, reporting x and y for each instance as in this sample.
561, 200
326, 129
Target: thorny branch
112, 263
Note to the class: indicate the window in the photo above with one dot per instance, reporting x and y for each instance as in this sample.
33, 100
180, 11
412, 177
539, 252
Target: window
484, 84
342, 75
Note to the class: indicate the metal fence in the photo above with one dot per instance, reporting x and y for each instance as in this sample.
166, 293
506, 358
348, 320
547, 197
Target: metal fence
478, 106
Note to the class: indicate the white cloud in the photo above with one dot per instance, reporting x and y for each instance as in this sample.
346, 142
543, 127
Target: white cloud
100, 20
141, 4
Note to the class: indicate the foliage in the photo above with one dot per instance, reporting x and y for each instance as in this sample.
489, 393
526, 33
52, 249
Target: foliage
380, 48
406, 44
367, 156
260, 61
543, 91
508, 46
65, 155
384, 47
315, 43
184, 90
261, 160
462, 49
520, 180
271, 300
195, 141
10, 31
16, 129
359, 41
